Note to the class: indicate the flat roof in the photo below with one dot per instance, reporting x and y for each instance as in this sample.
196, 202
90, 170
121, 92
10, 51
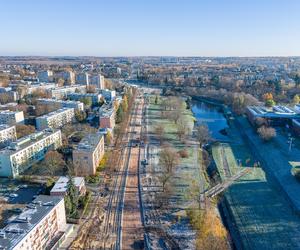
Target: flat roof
19, 226
89, 142
62, 183
5, 126
56, 112
273, 112
27, 141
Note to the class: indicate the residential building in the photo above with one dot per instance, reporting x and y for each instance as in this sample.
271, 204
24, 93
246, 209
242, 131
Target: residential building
61, 186
45, 76
68, 76
82, 79
62, 92
41, 86
88, 154
98, 80
41, 225
55, 119
7, 134
11, 117
107, 119
21, 154
109, 95
95, 97
61, 104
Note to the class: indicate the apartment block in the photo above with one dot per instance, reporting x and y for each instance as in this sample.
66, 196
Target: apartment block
7, 134
88, 154
95, 97
82, 79
62, 92
98, 80
21, 154
45, 76
41, 225
61, 104
109, 95
11, 117
68, 76
55, 119
61, 186
107, 119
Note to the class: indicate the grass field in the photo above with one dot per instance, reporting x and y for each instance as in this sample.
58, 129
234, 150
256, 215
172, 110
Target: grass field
261, 215
189, 168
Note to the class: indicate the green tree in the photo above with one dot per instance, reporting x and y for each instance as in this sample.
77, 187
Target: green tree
71, 199
87, 101
80, 115
125, 104
119, 114
108, 138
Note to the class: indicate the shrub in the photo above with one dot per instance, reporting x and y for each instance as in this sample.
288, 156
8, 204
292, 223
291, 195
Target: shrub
266, 133
183, 153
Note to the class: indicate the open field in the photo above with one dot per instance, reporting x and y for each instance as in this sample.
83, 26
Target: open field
260, 214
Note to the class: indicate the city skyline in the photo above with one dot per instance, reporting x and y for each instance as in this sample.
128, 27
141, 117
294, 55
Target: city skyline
152, 28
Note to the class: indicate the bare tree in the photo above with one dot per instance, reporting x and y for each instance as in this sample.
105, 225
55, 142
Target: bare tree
266, 133
53, 162
160, 131
203, 134
168, 159
23, 130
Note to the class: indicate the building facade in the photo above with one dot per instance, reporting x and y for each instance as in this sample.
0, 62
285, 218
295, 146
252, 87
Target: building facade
11, 117
82, 79
55, 119
23, 153
88, 154
95, 97
62, 92
39, 226
98, 80
107, 119
61, 186
68, 76
45, 76
62, 104
109, 95
7, 134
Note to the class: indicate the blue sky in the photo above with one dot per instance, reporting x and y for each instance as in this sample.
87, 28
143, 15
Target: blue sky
150, 27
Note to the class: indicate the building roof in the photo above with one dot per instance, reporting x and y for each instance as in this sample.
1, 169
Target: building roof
5, 126
54, 113
27, 141
89, 142
273, 112
19, 226
62, 183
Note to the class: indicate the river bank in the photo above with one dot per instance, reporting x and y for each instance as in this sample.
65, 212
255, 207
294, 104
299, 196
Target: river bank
255, 210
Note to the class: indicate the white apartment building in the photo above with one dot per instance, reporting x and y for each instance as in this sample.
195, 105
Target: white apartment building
45, 76
95, 97
55, 119
21, 154
7, 134
41, 225
98, 80
11, 117
109, 95
62, 104
62, 92
82, 79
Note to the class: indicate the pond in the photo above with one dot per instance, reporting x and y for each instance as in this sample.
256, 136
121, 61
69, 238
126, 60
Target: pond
212, 116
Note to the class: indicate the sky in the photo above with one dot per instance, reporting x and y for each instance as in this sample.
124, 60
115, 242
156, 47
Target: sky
150, 27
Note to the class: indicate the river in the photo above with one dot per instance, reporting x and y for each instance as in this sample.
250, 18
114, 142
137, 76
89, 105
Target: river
212, 116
